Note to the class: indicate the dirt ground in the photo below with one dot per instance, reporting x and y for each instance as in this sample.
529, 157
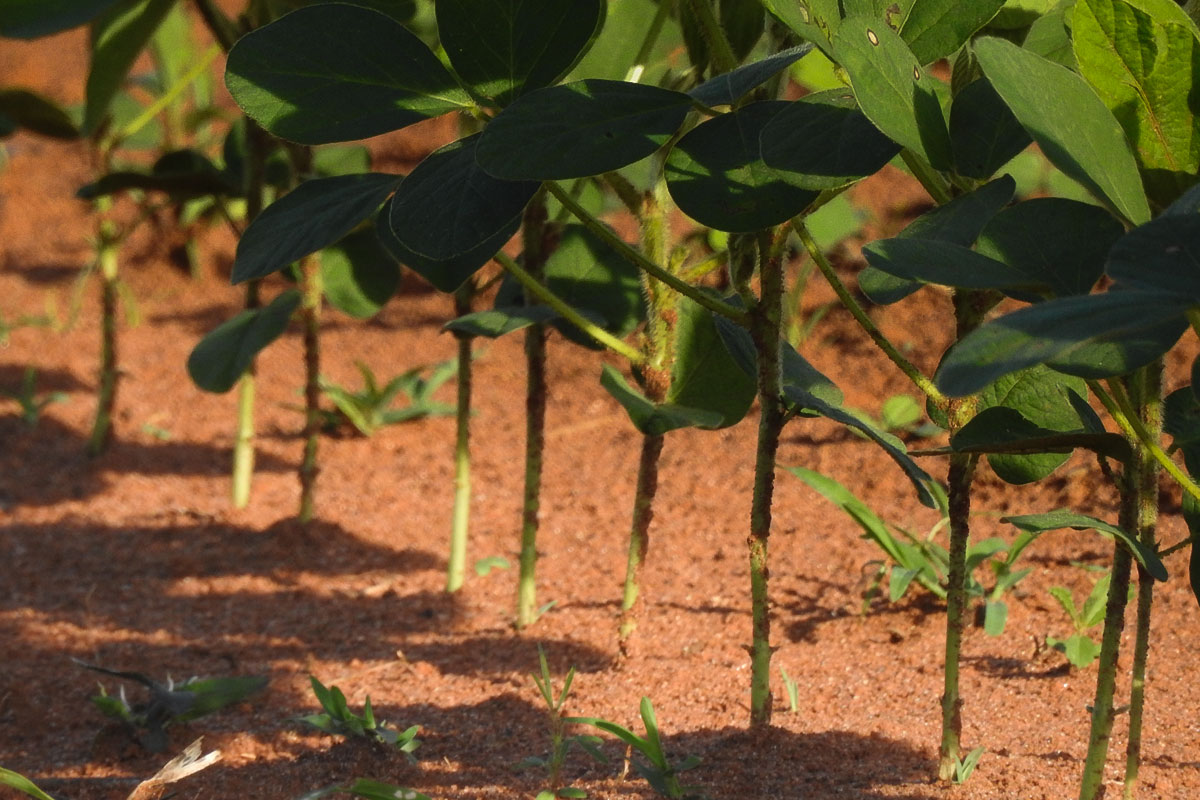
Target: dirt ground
135, 559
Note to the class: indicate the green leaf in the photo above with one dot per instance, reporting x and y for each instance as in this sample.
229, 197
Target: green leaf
1162, 255
449, 207
580, 129
995, 615
504, 48
213, 694
728, 88
118, 37
814, 20
334, 72
1095, 605
484, 566
446, 274
589, 275
1064, 518
1142, 58
1050, 36
219, 360
984, 133
716, 176
1092, 336
650, 418
496, 322
1074, 129
948, 264
873, 526
824, 142
1041, 397
312, 216
181, 174
22, 784
616, 48
1191, 515
1181, 420
934, 29
704, 376
1064, 243
37, 113
1006, 430
892, 89
357, 274
31, 19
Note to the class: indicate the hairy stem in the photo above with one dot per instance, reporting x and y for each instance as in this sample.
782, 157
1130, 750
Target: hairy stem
639, 535
1147, 523
534, 256
457, 562
766, 326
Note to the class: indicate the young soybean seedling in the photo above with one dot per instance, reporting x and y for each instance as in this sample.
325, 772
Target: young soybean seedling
660, 773
27, 398
966, 765
793, 690
370, 409
367, 790
1079, 648
560, 743
337, 718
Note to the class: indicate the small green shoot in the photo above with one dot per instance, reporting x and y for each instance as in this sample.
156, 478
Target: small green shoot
560, 743
793, 691
484, 566
370, 409
338, 719
1080, 649
660, 773
15, 780
27, 398
964, 766
367, 790
170, 703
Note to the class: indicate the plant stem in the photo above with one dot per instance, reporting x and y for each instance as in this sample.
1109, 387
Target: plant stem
766, 326
1147, 522
704, 299
723, 59
930, 179
107, 249
919, 380
534, 256
969, 309
456, 565
639, 535
1100, 735
310, 315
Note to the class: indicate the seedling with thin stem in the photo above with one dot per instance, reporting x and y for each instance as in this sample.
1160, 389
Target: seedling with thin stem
965, 766
32, 405
338, 719
793, 690
371, 407
658, 771
1080, 649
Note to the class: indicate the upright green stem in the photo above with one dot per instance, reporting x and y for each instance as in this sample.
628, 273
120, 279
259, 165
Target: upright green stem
710, 28
766, 323
107, 249
310, 315
969, 310
456, 567
534, 235
1134, 482
1147, 522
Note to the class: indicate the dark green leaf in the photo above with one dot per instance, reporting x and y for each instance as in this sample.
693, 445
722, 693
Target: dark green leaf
1181, 420
30, 19
1005, 430
182, 174
1162, 255
704, 376
650, 418
815, 20
118, 36
892, 89
589, 275
934, 29
314, 215
496, 322
727, 89
449, 207
1064, 518
1064, 243
824, 142
504, 48
357, 274
445, 274
1191, 515
580, 129
219, 360
716, 176
37, 114
948, 264
1093, 336
884, 289
1069, 122
984, 133
334, 72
